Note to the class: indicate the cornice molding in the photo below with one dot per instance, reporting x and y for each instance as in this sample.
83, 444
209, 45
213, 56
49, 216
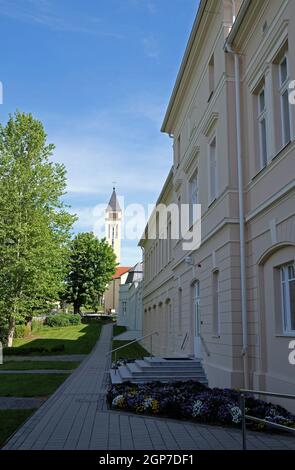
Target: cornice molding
210, 124
192, 154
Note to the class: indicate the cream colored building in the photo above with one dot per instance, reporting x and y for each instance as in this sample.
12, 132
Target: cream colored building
130, 303
231, 302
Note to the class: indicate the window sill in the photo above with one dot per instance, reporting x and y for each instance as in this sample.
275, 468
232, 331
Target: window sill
259, 173
270, 161
212, 203
210, 97
286, 335
282, 150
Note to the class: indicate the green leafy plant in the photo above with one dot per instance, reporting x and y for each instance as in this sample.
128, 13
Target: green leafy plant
35, 227
91, 267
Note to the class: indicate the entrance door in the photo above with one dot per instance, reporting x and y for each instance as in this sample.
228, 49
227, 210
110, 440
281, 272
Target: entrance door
197, 320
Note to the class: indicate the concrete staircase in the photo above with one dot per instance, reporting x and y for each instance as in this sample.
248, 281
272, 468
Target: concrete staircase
159, 369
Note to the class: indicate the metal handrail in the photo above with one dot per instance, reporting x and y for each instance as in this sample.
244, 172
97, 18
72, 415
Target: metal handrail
245, 392
184, 341
205, 346
133, 341
150, 335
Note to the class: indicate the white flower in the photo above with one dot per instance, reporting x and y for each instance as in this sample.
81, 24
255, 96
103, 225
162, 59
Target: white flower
118, 400
147, 403
236, 414
197, 408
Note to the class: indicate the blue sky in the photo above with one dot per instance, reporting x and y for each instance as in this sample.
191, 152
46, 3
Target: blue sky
99, 74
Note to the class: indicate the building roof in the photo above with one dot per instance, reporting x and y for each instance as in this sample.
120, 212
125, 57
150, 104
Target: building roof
113, 205
184, 63
120, 271
189, 55
135, 273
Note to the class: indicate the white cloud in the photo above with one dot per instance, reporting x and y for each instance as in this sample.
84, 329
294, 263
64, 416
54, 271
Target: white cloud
92, 167
151, 47
40, 12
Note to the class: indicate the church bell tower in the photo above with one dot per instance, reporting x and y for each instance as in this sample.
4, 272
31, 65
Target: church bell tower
113, 220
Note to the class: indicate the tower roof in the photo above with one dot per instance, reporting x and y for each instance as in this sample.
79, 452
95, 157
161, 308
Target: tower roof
113, 205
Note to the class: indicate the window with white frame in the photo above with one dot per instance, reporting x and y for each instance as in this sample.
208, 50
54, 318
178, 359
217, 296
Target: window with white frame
288, 297
262, 116
193, 198
284, 98
213, 170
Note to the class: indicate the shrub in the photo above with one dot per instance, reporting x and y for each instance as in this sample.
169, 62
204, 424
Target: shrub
74, 319
33, 350
62, 319
37, 325
22, 331
194, 401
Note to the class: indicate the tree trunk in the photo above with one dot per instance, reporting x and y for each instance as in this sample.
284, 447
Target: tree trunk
11, 329
76, 308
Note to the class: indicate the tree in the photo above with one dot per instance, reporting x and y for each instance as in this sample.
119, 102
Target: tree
35, 228
92, 265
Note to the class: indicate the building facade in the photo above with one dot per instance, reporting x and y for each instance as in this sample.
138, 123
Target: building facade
231, 302
130, 306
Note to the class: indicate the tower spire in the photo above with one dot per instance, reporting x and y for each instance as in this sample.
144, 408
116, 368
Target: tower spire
113, 220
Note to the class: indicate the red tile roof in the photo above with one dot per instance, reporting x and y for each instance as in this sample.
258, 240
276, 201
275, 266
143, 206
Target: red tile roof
120, 270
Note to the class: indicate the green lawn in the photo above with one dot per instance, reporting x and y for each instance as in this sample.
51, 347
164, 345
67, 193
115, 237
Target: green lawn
29, 385
10, 421
39, 365
78, 339
133, 351
118, 330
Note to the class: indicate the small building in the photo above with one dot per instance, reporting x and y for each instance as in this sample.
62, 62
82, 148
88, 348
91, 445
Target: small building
111, 296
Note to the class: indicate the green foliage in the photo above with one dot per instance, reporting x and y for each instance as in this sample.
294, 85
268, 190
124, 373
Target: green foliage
22, 331
30, 385
77, 339
34, 224
39, 365
92, 265
63, 319
34, 350
36, 326
10, 421
118, 330
131, 352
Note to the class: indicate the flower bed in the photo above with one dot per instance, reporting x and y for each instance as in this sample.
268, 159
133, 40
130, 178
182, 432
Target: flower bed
193, 401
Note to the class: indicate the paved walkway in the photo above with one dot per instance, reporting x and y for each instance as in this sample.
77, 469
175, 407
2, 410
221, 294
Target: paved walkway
65, 358
76, 417
18, 403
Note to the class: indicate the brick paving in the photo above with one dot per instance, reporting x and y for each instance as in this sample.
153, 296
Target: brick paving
76, 417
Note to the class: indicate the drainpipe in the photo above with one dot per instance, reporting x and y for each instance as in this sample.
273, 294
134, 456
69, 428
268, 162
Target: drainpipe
241, 214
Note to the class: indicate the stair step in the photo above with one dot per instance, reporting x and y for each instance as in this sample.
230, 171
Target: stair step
159, 362
167, 373
147, 369
158, 369
164, 380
